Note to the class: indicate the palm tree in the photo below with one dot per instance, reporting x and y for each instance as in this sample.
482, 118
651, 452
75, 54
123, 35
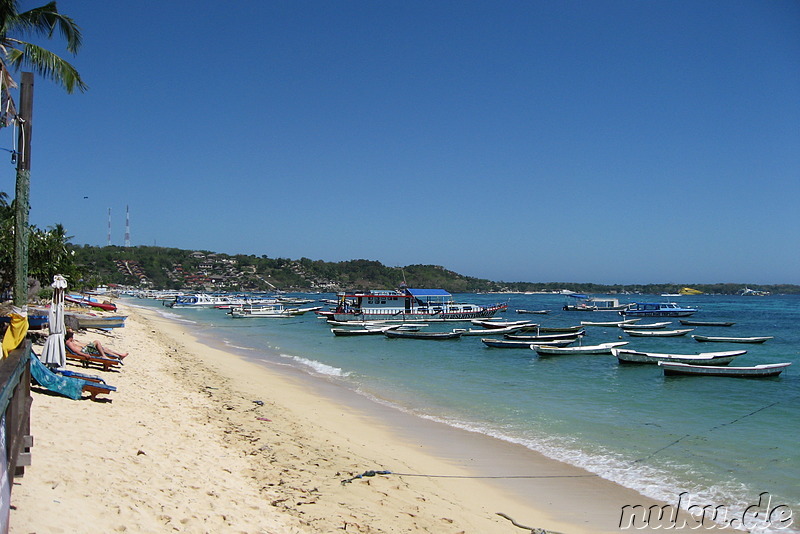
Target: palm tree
16, 53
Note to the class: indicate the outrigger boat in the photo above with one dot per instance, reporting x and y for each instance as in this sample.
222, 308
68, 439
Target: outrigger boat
270, 311
602, 348
406, 304
487, 331
649, 326
705, 358
755, 371
546, 337
551, 329
537, 312
609, 323
688, 322
658, 333
732, 339
393, 333
515, 344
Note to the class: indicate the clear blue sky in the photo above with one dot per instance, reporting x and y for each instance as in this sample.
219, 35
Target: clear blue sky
611, 142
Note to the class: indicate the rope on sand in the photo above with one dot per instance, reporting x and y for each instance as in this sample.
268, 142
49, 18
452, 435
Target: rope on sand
533, 530
373, 473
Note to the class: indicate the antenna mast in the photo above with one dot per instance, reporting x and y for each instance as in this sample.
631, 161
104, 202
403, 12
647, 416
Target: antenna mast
109, 227
127, 227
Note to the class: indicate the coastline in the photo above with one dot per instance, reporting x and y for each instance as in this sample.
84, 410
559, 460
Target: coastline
198, 439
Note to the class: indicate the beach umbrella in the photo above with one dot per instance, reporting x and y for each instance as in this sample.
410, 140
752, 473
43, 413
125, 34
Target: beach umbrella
54, 353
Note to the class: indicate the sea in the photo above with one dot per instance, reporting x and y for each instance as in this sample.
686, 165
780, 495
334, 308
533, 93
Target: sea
723, 442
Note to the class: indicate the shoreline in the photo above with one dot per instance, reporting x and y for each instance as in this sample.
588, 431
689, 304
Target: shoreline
233, 444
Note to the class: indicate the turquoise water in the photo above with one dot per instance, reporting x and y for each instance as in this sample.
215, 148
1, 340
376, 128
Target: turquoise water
724, 441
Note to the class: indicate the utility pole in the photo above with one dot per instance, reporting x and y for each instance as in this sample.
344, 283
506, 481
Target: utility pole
22, 202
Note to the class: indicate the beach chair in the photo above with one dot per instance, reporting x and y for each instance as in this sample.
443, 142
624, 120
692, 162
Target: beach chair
67, 383
106, 363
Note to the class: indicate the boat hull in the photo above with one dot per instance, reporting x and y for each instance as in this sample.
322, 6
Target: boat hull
714, 339
427, 317
708, 358
756, 371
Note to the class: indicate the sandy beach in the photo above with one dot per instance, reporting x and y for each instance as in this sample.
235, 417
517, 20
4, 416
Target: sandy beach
197, 439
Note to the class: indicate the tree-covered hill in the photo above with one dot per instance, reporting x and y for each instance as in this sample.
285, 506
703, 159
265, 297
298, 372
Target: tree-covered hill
171, 268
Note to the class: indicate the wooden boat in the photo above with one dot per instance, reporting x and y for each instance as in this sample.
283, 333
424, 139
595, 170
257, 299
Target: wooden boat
35, 321
649, 326
487, 331
546, 337
689, 322
501, 324
657, 309
270, 311
602, 348
359, 331
705, 358
537, 312
584, 303
85, 300
717, 339
78, 321
609, 323
551, 329
517, 344
658, 333
393, 333
755, 371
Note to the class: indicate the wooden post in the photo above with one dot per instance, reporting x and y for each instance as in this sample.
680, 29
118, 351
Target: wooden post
22, 201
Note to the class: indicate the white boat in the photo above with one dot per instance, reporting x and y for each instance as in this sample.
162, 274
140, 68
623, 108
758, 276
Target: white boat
719, 339
206, 300
406, 305
268, 311
591, 304
705, 358
659, 333
609, 323
536, 312
546, 337
755, 371
515, 344
602, 348
487, 331
657, 309
649, 326
503, 324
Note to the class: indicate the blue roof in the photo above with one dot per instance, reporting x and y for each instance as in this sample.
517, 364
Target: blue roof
428, 292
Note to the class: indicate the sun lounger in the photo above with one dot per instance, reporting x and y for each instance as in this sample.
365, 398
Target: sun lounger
69, 386
85, 360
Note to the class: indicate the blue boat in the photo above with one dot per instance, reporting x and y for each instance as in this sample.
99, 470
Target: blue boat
656, 309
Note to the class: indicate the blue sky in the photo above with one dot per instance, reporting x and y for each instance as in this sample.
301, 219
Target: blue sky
584, 141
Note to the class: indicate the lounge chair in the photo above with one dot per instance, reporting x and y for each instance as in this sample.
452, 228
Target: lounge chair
69, 386
85, 359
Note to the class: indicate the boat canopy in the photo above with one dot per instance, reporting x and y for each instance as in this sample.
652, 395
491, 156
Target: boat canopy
422, 293
578, 296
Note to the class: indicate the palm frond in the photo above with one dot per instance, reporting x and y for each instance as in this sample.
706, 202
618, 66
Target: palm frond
47, 64
45, 20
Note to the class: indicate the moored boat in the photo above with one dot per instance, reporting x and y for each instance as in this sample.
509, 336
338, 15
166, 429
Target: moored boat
520, 344
393, 333
657, 309
546, 337
648, 326
551, 329
720, 339
537, 312
408, 305
609, 323
487, 331
269, 311
689, 322
705, 358
755, 371
658, 333
602, 348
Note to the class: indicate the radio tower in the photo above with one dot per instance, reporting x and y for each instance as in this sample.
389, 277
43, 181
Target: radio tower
109, 227
127, 227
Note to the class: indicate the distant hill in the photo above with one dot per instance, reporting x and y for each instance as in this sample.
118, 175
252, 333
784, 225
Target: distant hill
172, 268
